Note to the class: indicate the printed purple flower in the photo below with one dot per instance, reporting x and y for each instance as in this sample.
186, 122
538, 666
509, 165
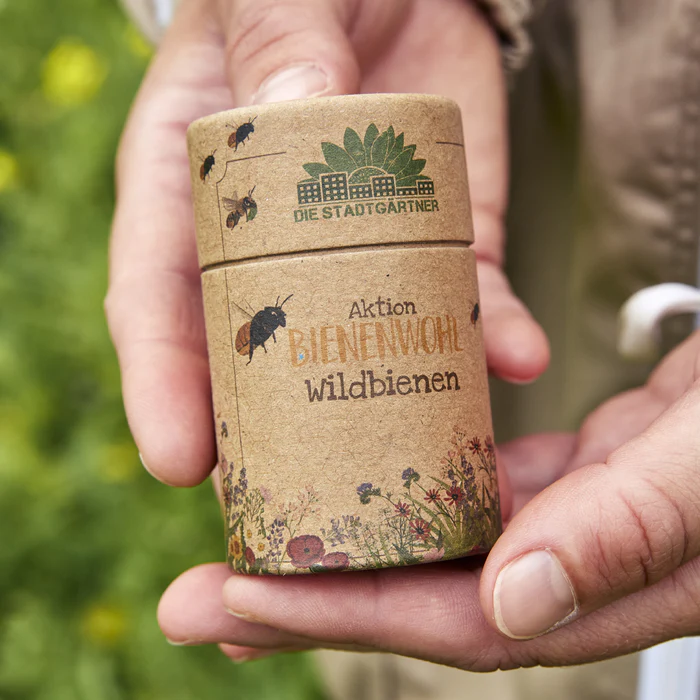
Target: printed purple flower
336, 560
403, 509
305, 550
454, 496
363, 488
432, 496
475, 445
420, 529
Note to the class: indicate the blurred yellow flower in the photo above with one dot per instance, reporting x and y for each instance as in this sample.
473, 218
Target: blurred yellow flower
261, 547
8, 170
104, 624
72, 73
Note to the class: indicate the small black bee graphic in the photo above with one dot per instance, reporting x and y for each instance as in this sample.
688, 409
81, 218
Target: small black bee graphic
207, 165
261, 326
240, 134
239, 208
475, 314
224, 429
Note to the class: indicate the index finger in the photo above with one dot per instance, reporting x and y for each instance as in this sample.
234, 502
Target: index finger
154, 305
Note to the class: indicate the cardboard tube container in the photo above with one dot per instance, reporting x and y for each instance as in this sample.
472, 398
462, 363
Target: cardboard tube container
345, 343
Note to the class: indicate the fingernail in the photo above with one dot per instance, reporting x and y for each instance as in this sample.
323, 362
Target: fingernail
254, 657
294, 83
183, 643
533, 595
516, 380
240, 615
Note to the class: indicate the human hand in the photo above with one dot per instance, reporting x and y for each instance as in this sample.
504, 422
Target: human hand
621, 518
227, 53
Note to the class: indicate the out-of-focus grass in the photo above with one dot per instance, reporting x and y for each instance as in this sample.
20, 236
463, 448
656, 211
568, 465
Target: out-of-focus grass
88, 540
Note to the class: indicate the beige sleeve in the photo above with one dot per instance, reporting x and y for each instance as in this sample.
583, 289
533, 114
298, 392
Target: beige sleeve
509, 17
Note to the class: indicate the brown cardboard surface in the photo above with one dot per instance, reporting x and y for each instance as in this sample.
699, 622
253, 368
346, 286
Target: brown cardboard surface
348, 369
354, 147
326, 461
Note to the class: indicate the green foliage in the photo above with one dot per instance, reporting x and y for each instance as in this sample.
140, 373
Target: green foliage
376, 154
89, 540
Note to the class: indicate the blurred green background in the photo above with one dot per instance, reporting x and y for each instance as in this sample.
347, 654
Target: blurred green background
88, 541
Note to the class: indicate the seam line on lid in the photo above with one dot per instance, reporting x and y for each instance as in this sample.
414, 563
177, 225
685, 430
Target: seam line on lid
338, 249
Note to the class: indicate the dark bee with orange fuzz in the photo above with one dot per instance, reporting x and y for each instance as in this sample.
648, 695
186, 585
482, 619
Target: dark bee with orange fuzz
240, 134
207, 165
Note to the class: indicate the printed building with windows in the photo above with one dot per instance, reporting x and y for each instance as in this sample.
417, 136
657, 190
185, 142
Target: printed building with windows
362, 190
384, 186
309, 192
406, 191
426, 187
334, 186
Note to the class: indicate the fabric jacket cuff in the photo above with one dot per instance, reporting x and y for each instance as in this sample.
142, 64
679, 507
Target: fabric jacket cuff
509, 18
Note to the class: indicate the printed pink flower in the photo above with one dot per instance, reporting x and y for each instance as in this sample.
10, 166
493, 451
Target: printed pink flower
305, 550
336, 560
475, 445
455, 496
488, 446
420, 529
249, 556
403, 509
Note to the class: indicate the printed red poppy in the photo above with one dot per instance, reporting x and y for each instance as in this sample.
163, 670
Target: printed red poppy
420, 529
455, 496
336, 560
432, 496
403, 509
305, 550
475, 445
249, 556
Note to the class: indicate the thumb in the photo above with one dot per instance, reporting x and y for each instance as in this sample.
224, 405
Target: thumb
602, 532
516, 346
284, 50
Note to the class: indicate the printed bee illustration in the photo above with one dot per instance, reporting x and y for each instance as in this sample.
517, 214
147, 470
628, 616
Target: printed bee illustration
240, 134
261, 326
224, 429
239, 208
475, 314
207, 165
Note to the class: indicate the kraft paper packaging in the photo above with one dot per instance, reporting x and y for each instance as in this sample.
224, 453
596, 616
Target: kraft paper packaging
345, 343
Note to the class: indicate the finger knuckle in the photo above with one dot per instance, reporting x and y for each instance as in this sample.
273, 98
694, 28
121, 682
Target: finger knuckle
650, 538
259, 33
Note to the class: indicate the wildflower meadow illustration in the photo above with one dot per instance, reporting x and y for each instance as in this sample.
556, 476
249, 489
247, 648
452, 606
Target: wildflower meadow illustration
424, 518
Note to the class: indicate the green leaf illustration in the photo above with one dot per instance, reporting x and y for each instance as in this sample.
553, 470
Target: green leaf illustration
396, 149
391, 140
251, 213
401, 161
413, 168
337, 158
354, 147
370, 137
379, 150
317, 169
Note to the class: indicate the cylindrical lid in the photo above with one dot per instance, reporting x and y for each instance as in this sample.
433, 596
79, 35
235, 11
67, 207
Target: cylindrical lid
330, 172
